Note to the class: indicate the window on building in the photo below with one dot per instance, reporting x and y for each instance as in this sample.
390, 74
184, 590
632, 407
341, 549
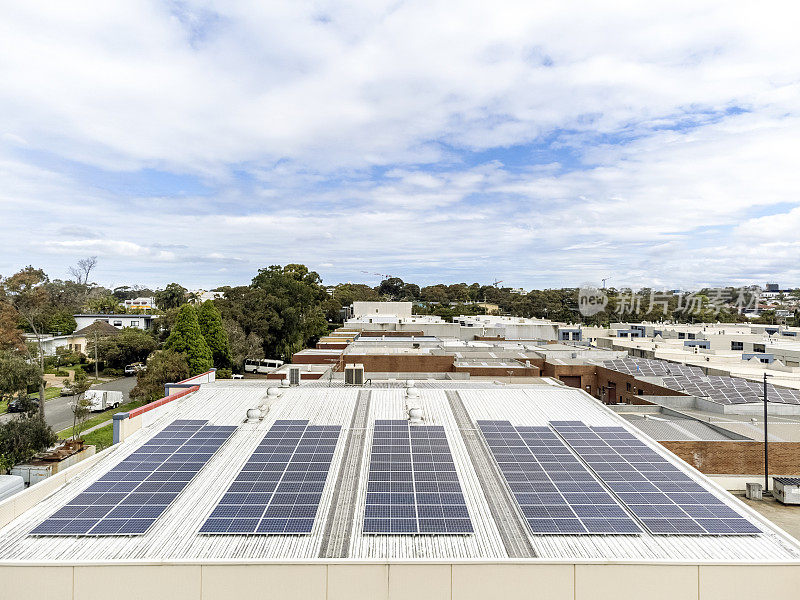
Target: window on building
628, 386
117, 323
737, 345
759, 348
77, 347
134, 323
681, 336
765, 360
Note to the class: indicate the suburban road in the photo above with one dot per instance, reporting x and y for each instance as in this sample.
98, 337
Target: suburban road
58, 412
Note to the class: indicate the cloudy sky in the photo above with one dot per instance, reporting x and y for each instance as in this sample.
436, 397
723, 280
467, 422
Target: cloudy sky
540, 143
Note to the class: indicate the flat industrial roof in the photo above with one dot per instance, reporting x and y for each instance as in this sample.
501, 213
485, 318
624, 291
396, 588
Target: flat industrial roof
337, 529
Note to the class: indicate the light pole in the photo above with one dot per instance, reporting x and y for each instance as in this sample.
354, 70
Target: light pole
766, 444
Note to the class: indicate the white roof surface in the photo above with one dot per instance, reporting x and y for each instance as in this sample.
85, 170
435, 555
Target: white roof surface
174, 536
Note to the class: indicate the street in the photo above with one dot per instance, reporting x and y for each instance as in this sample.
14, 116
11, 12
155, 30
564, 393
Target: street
58, 412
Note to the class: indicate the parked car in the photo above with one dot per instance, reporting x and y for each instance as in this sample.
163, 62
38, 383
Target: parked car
134, 368
22, 404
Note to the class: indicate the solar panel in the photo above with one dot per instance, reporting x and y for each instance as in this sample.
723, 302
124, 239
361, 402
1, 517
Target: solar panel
132, 495
692, 380
279, 488
413, 486
664, 498
555, 492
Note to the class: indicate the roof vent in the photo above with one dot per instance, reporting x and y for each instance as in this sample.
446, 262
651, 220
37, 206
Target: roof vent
415, 415
253, 415
273, 392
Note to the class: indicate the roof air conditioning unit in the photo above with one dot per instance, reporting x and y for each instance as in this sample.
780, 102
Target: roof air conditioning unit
354, 374
294, 376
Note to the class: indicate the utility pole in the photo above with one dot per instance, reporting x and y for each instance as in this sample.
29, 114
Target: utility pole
96, 370
766, 444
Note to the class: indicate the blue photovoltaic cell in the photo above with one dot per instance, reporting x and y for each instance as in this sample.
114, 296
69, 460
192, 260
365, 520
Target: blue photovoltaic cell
664, 498
555, 492
132, 495
413, 486
279, 488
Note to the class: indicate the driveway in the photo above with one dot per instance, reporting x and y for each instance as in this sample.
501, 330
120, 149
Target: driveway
58, 411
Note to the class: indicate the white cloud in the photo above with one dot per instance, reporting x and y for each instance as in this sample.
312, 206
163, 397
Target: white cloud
314, 101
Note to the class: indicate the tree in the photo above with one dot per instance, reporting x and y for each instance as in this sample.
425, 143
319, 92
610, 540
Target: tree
129, 346
347, 293
103, 305
243, 345
165, 366
28, 295
434, 293
82, 270
172, 296
392, 288
82, 406
62, 322
16, 374
214, 333
21, 438
187, 339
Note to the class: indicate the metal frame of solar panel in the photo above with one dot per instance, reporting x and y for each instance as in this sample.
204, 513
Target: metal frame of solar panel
555, 492
413, 485
130, 497
663, 498
278, 490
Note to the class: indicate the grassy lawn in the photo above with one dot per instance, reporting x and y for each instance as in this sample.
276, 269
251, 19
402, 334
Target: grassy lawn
49, 394
101, 417
102, 438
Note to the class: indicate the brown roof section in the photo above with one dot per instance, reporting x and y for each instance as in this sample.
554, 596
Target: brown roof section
101, 328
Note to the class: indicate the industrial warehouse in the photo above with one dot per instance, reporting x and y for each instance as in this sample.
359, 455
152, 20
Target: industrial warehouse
407, 490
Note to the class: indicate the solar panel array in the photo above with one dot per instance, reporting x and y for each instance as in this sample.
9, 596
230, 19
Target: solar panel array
664, 498
691, 380
555, 492
279, 488
132, 495
413, 486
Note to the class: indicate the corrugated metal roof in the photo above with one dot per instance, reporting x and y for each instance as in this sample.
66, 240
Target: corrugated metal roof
174, 536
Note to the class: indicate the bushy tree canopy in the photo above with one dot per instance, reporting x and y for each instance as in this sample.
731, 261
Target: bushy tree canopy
21, 438
214, 333
165, 366
130, 346
187, 339
172, 296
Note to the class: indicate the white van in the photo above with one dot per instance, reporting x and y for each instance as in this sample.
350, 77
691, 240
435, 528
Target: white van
103, 399
261, 365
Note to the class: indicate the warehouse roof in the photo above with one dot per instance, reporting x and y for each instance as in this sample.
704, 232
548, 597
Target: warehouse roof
337, 528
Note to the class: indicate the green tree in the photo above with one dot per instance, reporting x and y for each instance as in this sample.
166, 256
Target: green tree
172, 296
214, 333
129, 346
62, 322
243, 345
82, 406
27, 293
165, 366
187, 339
21, 438
391, 288
16, 374
104, 305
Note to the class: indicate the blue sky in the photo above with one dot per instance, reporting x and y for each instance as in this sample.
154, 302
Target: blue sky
653, 144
